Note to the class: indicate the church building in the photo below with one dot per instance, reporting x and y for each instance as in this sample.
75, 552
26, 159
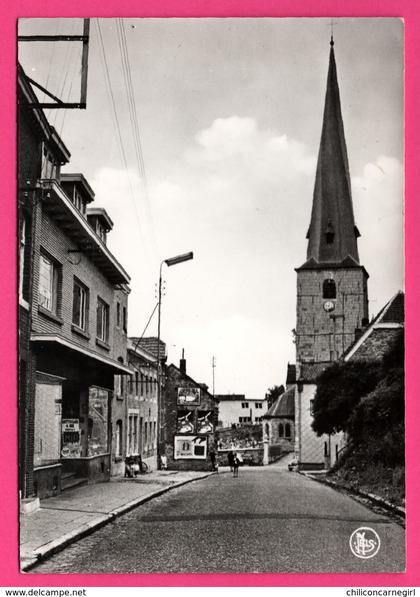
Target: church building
332, 296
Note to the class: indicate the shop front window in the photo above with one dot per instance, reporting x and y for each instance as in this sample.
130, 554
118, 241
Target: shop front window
98, 442
48, 392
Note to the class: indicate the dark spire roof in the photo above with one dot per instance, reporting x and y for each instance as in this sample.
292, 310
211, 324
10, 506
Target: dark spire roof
332, 232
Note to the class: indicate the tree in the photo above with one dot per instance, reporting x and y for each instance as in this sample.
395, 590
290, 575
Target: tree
377, 423
339, 389
273, 393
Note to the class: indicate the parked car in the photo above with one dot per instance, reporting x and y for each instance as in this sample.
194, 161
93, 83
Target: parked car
293, 464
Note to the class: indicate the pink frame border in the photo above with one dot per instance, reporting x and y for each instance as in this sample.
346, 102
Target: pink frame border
407, 9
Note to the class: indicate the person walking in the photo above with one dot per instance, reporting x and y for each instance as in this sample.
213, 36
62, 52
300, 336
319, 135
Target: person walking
213, 460
235, 465
230, 458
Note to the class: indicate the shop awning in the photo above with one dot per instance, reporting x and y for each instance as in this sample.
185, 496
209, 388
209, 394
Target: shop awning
118, 367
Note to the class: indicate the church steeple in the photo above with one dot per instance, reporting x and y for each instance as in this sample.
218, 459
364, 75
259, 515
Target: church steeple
332, 232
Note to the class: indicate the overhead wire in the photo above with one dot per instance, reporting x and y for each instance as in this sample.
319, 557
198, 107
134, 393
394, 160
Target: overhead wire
75, 72
116, 122
130, 99
66, 68
134, 121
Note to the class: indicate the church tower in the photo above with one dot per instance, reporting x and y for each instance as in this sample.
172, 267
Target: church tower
332, 303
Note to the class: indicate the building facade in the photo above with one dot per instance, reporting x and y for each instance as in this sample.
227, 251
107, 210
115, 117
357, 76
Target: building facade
279, 422
332, 297
189, 418
71, 289
236, 409
135, 414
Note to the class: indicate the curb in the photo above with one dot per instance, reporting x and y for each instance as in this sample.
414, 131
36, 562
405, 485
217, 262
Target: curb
376, 499
53, 547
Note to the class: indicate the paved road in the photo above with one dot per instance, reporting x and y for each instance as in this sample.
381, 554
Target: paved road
267, 520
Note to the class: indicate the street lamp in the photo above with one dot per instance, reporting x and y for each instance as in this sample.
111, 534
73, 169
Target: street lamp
169, 262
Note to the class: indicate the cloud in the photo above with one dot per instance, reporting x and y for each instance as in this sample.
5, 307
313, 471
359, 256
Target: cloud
379, 211
240, 197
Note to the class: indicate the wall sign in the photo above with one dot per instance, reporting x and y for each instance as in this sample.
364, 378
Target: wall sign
189, 396
188, 447
204, 423
185, 421
70, 438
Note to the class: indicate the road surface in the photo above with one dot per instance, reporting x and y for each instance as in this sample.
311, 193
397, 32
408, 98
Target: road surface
266, 520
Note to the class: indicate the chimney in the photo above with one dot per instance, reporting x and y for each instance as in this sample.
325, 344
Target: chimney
183, 363
358, 332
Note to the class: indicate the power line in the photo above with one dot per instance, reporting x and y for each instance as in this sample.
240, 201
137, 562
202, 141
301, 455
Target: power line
134, 120
116, 121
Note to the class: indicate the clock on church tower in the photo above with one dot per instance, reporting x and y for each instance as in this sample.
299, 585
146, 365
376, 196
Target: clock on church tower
332, 301
332, 298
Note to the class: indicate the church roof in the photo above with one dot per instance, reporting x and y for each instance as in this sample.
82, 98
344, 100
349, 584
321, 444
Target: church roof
291, 374
332, 231
309, 372
284, 406
380, 333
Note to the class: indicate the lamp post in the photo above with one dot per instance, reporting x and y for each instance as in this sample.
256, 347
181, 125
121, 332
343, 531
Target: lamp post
169, 262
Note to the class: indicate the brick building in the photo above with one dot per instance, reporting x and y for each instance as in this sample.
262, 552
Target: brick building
332, 298
72, 292
236, 409
189, 418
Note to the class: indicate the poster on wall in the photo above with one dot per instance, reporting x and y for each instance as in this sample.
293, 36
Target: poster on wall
204, 421
70, 438
190, 447
189, 396
185, 421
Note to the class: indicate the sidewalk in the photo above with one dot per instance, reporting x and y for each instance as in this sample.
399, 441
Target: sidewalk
78, 512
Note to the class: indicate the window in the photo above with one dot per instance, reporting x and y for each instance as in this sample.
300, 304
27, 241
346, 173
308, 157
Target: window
125, 319
150, 435
281, 430
258, 405
154, 435
48, 284
80, 305
118, 384
132, 439
141, 442
118, 438
50, 166
329, 290
100, 231
245, 419
78, 201
287, 432
118, 315
47, 424
245, 405
102, 321
98, 412
137, 382
329, 234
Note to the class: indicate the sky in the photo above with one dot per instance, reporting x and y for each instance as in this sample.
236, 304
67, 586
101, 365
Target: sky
230, 116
